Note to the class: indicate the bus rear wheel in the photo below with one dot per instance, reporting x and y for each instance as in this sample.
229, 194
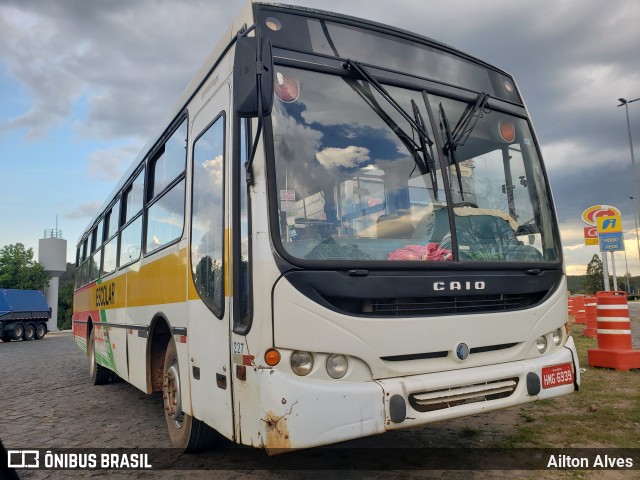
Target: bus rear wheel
187, 433
99, 375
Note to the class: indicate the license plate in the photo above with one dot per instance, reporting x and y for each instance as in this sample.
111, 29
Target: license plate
557, 375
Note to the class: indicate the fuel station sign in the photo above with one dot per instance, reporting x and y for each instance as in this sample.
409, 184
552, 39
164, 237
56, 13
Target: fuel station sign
605, 227
591, 235
610, 233
590, 215
605, 230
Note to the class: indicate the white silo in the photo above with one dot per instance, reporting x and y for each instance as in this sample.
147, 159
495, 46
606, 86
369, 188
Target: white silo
52, 255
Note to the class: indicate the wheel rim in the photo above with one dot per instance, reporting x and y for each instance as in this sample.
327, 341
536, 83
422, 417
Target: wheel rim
30, 331
92, 357
172, 398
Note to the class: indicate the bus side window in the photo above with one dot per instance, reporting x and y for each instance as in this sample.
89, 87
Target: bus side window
207, 223
110, 249
165, 191
131, 234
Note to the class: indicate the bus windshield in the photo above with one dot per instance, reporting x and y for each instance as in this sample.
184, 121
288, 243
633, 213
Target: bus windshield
349, 186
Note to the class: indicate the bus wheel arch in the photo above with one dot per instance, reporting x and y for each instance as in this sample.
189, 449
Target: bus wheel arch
186, 432
157, 343
98, 374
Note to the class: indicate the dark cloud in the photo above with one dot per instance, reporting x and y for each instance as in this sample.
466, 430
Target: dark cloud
128, 61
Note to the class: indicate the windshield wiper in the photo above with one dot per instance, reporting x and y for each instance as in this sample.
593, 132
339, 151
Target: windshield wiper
458, 136
424, 161
425, 143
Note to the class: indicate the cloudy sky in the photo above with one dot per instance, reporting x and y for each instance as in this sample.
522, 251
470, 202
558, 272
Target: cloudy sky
84, 83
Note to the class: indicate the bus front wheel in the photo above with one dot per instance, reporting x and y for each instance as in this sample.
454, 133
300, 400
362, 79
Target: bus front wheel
186, 432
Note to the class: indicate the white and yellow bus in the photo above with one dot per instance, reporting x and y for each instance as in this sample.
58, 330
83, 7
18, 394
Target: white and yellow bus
343, 228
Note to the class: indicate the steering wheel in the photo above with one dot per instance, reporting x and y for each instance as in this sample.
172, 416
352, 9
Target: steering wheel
465, 204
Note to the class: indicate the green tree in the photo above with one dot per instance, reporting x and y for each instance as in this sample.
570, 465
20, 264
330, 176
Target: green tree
624, 281
65, 298
18, 270
594, 281
65, 307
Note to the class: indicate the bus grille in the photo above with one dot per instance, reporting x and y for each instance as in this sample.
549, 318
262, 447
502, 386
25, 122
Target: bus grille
430, 401
431, 306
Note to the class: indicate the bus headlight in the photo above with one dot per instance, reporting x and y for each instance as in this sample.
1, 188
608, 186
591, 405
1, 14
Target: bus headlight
557, 337
337, 365
301, 363
541, 343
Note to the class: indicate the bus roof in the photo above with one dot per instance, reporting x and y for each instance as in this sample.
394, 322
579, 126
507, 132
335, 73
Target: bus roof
246, 17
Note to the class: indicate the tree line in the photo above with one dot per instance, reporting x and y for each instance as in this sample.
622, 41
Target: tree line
593, 281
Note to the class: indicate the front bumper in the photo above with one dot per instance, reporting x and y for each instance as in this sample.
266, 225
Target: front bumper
302, 413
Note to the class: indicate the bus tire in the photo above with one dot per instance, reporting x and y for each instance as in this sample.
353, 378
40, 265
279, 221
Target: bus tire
186, 433
18, 331
41, 331
99, 375
29, 332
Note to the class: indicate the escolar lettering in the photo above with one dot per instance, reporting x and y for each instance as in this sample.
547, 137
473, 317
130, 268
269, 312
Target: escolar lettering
105, 295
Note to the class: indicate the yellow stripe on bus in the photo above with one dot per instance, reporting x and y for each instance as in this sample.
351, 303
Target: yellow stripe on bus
161, 281
165, 280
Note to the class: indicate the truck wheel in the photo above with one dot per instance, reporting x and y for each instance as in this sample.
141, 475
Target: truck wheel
18, 331
99, 375
6, 337
41, 331
187, 433
29, 332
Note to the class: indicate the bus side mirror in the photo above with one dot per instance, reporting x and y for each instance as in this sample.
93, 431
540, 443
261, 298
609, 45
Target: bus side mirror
245, 78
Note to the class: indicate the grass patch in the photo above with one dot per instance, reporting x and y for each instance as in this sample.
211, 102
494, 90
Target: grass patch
604, 413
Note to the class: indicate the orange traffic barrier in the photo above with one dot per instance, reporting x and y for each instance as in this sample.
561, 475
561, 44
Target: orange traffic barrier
591, 310
614, 334
570, 309
581, 314
573, 311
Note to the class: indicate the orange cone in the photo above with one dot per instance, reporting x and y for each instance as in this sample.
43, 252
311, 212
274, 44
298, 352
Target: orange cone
614, 334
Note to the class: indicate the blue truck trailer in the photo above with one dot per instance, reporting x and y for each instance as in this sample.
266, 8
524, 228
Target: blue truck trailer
23, 315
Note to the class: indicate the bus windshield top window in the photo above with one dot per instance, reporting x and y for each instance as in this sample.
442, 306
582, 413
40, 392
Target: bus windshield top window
349, 186
426, 60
